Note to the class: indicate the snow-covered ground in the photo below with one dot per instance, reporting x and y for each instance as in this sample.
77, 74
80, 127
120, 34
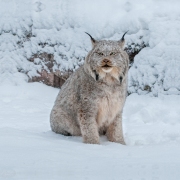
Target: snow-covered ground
30, 150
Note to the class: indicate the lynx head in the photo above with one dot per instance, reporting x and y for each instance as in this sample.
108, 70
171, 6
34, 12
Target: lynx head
107, 59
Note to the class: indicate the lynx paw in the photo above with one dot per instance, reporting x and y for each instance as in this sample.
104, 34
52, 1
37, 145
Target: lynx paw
91, 140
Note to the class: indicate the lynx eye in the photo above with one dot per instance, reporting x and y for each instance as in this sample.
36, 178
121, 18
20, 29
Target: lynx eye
99, 53
113, 53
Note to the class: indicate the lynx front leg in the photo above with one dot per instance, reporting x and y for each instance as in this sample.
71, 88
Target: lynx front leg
114, 131
89, 129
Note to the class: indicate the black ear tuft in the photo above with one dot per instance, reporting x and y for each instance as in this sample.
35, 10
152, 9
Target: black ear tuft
122, 39
92, 39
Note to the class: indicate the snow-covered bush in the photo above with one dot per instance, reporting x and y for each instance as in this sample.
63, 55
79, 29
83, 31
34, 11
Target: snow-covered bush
156, 68
46, 39
15, 29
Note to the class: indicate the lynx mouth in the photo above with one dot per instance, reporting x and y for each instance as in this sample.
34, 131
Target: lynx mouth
106, 68
106, 65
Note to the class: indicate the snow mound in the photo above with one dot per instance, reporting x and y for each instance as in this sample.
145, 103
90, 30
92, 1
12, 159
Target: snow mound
156, 68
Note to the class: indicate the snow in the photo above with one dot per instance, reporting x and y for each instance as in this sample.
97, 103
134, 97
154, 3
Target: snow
158, 65
151, 122
30, 150
57, 27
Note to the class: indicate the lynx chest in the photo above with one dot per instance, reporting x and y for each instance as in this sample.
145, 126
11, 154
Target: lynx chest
109, 105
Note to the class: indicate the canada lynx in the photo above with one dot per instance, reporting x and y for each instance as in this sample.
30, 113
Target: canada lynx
92, 99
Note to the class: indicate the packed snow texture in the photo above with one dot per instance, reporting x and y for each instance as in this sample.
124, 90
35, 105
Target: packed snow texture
30, 150
57, 27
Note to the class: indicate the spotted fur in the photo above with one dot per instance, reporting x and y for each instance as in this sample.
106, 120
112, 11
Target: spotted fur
92, 99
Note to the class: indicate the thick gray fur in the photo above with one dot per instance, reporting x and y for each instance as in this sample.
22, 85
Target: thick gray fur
91, 101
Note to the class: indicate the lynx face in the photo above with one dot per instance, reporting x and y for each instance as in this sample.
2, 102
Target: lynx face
107, 58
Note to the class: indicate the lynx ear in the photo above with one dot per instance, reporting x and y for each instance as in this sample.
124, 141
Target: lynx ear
93, 41
122, 41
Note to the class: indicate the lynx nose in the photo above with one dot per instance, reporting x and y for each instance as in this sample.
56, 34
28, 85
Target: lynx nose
106, 61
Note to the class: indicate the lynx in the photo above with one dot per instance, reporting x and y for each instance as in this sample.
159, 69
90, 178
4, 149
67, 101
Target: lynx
91, 101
